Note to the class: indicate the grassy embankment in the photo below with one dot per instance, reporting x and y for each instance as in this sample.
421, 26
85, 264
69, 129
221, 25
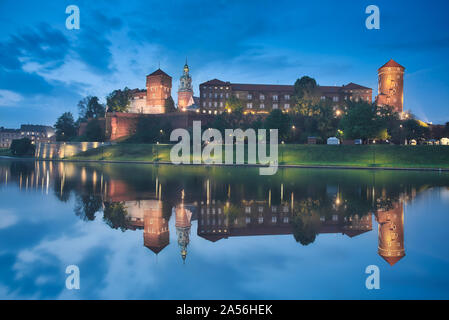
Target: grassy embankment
319, 155
5, 152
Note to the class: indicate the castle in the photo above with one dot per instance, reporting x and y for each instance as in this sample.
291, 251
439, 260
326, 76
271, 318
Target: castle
153, 99
256, 99
260, 98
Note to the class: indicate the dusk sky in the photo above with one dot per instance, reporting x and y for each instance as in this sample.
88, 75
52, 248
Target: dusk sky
45, 69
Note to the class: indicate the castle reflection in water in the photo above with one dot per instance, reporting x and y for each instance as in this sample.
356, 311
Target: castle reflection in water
296, 203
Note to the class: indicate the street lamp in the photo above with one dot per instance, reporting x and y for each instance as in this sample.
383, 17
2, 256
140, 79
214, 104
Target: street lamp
282, 153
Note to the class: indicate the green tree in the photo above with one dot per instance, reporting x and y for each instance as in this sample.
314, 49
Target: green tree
65, 127
119, 100
115, 215
22, 147
305, 88
87, 205
305, 96
170, 105
234, 105
151, 130
414, 129
90, 107
361, 122
279, 120
95, 131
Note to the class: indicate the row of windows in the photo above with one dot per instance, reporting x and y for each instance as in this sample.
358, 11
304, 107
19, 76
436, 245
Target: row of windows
154, 89
284, 209
216, 88
248, 96
249, 105
260, 220
336, 98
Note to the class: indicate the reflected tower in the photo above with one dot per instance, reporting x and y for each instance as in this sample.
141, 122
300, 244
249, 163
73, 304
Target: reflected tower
183, 217
391, 233
155, 232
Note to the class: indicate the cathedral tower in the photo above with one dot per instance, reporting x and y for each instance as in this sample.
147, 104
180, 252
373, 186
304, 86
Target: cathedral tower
158, 91
391, 233
183, 225
185, 92
391, 86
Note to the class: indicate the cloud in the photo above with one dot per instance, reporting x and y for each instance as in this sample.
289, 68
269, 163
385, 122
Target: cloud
7, 219
8, 98
43, 44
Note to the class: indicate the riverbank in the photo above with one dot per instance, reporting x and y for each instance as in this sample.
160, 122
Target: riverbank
5, 152
370, 156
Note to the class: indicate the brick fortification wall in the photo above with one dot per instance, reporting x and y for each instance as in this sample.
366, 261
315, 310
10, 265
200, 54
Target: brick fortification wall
121, 125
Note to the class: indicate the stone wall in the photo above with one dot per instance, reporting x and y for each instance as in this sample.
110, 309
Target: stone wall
122, 125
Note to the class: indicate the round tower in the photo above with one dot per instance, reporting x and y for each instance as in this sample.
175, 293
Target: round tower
391, 234
185, 92
391, 86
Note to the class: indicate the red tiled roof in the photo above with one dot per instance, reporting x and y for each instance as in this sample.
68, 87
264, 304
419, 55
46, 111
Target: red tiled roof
392, 260
392, 64
215, 82
329, 89
281, 88
261, 87
354, 86
159, 72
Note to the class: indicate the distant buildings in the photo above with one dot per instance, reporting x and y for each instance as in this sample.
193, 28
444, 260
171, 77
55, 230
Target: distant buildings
36, 133
7, 136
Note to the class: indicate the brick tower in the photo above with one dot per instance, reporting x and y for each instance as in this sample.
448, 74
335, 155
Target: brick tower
158, 90
185, 92
391, 233
155, 232
391, 86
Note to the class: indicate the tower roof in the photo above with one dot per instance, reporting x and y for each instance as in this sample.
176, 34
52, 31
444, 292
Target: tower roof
391, 64
159, 72
392, 260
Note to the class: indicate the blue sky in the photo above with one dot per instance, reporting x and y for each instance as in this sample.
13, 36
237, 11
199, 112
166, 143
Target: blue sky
46, 69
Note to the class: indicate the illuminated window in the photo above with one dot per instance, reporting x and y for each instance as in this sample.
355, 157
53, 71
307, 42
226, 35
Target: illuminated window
275, 105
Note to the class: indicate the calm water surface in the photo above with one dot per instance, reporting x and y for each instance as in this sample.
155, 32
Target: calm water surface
165, 232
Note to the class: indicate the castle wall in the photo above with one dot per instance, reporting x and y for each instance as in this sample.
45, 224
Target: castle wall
121, 125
